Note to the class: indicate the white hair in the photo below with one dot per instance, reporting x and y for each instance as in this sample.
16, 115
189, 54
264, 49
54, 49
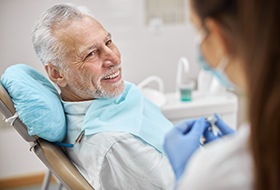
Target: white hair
46, 45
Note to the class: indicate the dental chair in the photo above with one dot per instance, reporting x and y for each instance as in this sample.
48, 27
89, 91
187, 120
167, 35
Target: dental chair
50, 154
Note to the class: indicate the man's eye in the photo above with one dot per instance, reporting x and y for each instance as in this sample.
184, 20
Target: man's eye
108, 42
91, 54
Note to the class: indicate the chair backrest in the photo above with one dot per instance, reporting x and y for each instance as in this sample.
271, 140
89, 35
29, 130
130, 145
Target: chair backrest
51, 155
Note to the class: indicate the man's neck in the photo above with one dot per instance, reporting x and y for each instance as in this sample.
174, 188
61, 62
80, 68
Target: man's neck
69, 96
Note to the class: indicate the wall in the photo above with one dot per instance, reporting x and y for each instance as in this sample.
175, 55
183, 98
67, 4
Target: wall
15, 158
144, 53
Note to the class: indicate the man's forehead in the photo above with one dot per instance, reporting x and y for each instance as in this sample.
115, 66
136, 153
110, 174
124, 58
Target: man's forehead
76, 25
75, 31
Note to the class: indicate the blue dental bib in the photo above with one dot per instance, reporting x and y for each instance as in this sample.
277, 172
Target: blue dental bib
130, 112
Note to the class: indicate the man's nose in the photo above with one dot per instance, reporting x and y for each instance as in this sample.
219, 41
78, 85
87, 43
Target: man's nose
111, 57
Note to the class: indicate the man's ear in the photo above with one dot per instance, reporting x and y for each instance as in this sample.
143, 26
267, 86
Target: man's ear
56, 75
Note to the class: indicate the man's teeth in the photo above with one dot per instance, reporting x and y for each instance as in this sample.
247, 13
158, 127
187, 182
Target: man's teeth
114, 75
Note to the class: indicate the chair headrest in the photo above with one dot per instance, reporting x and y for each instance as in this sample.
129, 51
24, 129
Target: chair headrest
36, 101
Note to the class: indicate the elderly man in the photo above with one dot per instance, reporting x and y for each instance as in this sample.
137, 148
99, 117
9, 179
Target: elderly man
118, 133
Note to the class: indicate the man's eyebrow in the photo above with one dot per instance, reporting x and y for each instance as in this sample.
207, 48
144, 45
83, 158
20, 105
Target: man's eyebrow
87, 49
109, 35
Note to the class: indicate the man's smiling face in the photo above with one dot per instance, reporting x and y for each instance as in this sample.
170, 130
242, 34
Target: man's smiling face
93, 60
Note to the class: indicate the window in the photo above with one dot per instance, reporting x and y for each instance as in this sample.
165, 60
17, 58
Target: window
168, 11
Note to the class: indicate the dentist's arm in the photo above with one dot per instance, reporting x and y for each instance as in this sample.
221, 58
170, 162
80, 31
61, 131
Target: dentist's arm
182, 141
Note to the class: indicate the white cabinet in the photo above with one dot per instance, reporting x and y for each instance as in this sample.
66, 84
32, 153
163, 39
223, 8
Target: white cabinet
225, 104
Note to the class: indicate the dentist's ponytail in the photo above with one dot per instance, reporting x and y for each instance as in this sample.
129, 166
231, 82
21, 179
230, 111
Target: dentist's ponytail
262, 34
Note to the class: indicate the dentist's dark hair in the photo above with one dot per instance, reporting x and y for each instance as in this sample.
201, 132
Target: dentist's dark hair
252, 28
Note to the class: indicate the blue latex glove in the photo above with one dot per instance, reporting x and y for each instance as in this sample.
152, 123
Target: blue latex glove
182, 141
223, 130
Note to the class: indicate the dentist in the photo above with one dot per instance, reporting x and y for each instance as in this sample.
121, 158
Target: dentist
239, 42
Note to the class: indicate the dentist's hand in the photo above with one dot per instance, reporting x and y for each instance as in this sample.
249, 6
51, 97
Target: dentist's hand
182, 141
223, 130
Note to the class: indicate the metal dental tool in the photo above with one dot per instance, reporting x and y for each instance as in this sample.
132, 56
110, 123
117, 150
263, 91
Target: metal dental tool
213, 128
212, 120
